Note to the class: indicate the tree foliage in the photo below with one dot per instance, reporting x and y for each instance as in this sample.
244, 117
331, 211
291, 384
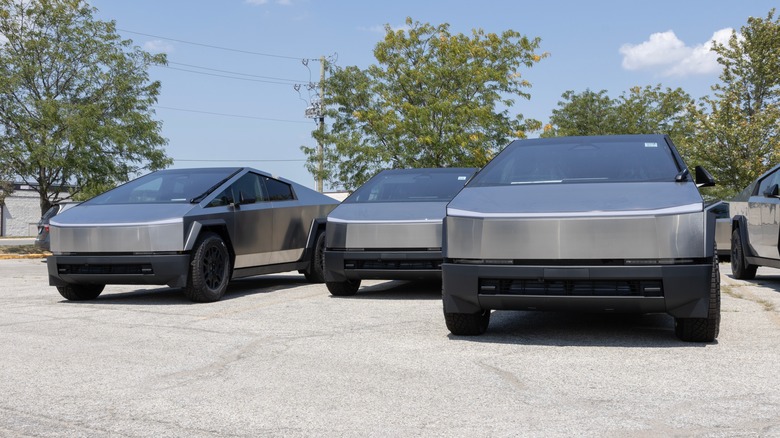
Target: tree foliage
435, 99
648, 110
737, 128
75, 100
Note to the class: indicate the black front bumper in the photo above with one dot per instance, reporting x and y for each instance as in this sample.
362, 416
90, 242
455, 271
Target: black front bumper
170, 269
680, 290
382, 265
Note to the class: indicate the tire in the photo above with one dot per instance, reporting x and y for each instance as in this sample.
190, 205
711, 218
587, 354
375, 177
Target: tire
81, 292
703, 329
315, 273
343, 288
740, 268
467, 324
209, 270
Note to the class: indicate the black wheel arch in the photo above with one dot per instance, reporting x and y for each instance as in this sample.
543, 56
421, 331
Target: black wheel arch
219, 227
739, 224
317, 227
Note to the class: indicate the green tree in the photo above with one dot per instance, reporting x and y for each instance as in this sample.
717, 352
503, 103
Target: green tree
648, 110
434, 100
737, 129
75, 100
586, 113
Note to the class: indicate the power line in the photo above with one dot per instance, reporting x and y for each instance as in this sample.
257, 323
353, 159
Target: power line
230, 115
236, 73
229, 77
248, 52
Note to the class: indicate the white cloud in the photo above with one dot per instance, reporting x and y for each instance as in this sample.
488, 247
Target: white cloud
256, 2
157, 46
665, 52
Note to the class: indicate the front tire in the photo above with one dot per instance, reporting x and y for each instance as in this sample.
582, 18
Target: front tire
703, 329
467, 324
343, 288
739, 265
209, 270
81, 292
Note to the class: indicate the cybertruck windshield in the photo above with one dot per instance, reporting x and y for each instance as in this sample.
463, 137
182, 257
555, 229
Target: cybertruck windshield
581, 160
412, 185
167, 186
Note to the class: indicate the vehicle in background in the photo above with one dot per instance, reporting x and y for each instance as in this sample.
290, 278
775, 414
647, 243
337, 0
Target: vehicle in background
390, 228
722, 229
755, 226
190, 228
592, 224
42, 239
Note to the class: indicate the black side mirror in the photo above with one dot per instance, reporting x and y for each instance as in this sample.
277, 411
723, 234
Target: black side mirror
704, 178
772, 191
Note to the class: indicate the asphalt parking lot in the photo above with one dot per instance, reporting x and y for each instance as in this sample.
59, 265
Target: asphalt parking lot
281, 357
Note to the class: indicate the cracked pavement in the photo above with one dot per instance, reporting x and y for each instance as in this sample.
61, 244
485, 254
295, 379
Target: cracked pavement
281, 357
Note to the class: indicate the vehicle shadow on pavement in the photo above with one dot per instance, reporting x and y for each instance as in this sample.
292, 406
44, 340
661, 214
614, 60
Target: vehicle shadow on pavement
581, 329
175, 296
767, 281
400, 290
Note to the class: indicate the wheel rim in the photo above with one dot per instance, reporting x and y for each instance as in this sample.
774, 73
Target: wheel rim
213, 267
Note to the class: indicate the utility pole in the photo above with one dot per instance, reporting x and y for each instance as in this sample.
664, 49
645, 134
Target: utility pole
316, 110
320, 150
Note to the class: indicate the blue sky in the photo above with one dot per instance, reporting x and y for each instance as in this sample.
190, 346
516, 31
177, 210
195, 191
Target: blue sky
240, 107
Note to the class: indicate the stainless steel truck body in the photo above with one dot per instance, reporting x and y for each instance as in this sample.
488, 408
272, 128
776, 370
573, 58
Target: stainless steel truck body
609, 224
189, 228
390, 228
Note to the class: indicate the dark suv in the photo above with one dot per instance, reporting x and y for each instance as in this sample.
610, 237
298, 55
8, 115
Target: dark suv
42, 239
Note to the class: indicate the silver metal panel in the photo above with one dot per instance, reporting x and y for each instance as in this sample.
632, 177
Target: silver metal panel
106, 239
410, 235
556, 199
267, 258
291, 227
764, 234
271, 233
386, 225
723, 234
86, 214
673, 236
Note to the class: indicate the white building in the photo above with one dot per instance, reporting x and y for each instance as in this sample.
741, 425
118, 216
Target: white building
20, 213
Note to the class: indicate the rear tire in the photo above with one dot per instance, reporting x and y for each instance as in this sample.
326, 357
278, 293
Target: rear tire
739, 265
467, 324
703, 329
315, 273
209, 270
343, 288
81, 292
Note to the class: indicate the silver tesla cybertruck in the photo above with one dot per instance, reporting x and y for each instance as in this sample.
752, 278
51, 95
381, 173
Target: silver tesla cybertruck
189, 228
592, 224
390, 228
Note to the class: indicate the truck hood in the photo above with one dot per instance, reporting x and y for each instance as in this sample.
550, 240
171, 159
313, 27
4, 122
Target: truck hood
121, 215
577, 200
